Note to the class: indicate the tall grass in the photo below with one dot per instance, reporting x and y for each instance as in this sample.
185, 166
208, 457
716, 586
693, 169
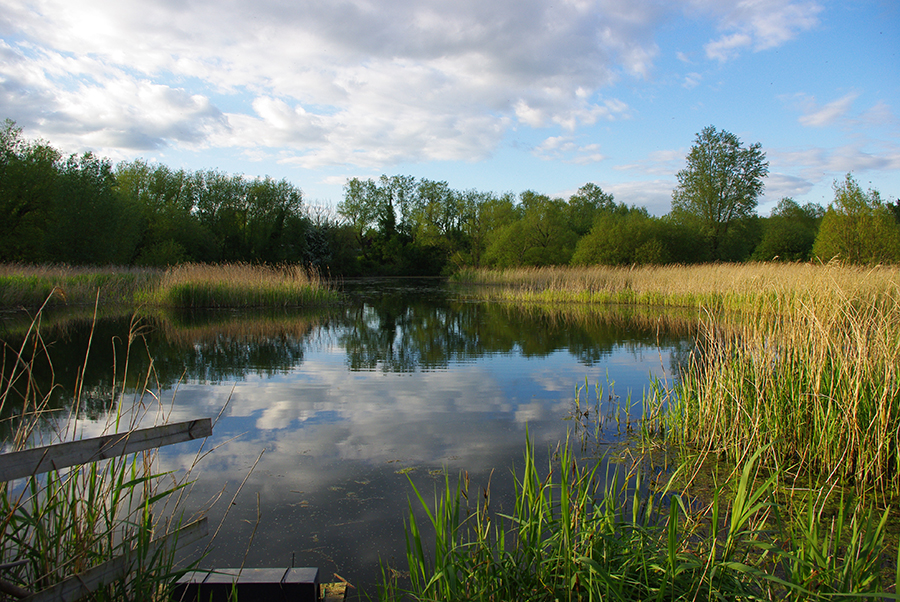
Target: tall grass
582, 533
238, 285
188, 285
712, 286
816, 383
61, 523
35, 286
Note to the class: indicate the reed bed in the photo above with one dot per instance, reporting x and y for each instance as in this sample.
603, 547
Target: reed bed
585, 533
712, 286
238, 285
816, 383
188, 285
33, 286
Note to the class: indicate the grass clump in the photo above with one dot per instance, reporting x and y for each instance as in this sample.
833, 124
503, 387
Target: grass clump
23, 285
579, 533
188, 285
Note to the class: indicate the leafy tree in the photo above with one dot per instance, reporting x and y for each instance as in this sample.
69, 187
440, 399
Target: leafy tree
89, 225
585, 205
164, 199
720, 186
857, 227
541, 236
624, 236
789, 232
28, 183
483, 215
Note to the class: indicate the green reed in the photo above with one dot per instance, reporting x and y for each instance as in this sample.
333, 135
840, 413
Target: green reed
584, 533
711, 286
818, 386
188, 285
61, 523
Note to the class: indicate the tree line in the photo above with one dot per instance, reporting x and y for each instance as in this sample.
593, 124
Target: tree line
83, 210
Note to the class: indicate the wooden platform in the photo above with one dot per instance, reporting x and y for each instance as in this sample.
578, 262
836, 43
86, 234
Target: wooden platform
257, 585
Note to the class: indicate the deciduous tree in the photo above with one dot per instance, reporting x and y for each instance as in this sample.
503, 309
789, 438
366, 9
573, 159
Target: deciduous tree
720, 185
857, 227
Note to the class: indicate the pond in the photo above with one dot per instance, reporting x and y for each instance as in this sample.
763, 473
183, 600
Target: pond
327, 417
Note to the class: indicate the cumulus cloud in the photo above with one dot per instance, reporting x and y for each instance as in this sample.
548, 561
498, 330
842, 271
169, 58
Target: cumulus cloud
654, 195
365, 83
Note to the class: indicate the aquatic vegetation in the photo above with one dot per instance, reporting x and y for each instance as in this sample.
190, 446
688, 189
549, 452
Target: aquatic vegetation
187, 285
767, 286
238, 285
118, 517
598, 532
34, 286
818, 386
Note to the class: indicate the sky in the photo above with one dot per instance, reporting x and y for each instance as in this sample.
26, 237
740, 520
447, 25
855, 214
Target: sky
502, 96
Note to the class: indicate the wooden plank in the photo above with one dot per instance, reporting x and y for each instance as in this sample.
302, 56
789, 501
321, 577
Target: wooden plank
21, 464
77, 586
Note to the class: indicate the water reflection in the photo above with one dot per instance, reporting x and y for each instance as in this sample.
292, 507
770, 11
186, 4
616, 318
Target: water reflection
407, 381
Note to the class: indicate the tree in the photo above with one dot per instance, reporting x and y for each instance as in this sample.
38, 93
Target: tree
585, 205
789, 232
857, 227
721, 184
87, 210
541, 236
29, 177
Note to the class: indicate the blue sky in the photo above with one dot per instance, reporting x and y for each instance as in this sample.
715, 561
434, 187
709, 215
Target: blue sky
506, 95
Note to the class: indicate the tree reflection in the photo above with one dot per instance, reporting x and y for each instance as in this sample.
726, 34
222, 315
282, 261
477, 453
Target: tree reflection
389, 326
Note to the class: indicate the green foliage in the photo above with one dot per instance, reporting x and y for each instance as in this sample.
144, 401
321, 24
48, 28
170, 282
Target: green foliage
789, 233
720, 185
585, 205
579, 533
28, 185
624, 237
88, 224
857, 227
541, 236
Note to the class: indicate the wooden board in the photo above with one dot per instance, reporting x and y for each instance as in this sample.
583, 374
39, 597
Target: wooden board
29, 462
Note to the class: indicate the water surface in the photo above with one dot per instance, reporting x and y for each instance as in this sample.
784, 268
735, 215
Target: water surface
336, 411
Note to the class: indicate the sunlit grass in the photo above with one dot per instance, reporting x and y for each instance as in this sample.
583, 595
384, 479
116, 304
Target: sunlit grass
23, 285
729, 286
800, 359
818, 386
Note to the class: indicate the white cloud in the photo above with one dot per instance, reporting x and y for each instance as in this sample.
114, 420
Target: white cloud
367, 83
364, 83
757, 24
654, 195
565, 148
692, 80
817, 116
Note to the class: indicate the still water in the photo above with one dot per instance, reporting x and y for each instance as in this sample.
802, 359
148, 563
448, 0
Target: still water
337, 411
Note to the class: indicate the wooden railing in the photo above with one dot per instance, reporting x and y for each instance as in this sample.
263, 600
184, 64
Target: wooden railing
31, 462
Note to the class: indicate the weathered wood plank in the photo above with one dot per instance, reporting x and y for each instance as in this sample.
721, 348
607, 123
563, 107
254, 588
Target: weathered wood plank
78, 586
21, 464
